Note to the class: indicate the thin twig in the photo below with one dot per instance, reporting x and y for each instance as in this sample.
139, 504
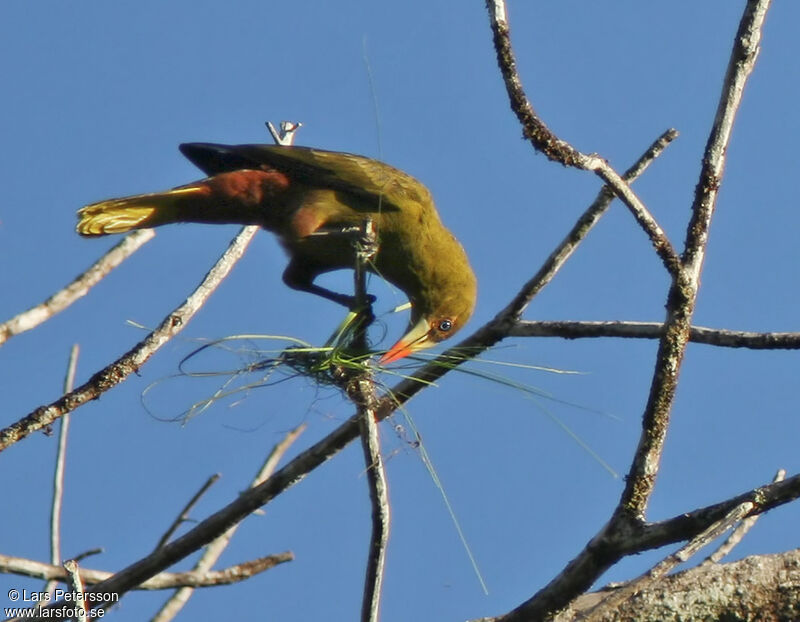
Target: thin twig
214, 550
130, 362
721, 337
88, 553
683, 292
582, 227
79, 287
184, 513
686, 525
162, 581
284, 136
545, 141
58, 475
739, 533
76, 585
379, 499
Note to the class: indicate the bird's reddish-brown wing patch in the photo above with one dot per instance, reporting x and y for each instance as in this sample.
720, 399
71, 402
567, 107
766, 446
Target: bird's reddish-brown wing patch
251, 187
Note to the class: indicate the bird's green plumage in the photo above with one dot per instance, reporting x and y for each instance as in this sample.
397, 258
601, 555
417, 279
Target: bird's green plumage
307, 197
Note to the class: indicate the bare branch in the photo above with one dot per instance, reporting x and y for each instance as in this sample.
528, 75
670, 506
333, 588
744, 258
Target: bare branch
161, 581
582, 227
184, 513
285, 135
655, 330
78, 288
362, 392
58, 475
88, 553
688, 524
740, 532
76, 585
215, 549
130, 362
544, 140
683, 292
218, 526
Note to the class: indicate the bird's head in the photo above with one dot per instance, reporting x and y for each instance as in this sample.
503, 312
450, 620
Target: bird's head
439, 311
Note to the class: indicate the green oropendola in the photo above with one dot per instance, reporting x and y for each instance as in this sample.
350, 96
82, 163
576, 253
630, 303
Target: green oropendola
307, 197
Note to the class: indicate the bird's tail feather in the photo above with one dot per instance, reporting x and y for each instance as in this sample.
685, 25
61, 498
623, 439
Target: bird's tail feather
137, 212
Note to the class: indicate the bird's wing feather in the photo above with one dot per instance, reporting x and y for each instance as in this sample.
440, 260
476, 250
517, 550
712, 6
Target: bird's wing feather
351, 173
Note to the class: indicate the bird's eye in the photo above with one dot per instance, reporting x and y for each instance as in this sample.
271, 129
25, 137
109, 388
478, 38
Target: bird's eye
445, 326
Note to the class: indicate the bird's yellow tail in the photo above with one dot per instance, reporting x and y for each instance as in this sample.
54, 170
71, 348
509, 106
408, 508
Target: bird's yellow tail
137, 212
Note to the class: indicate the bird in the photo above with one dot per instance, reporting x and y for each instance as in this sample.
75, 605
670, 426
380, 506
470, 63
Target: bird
310, 198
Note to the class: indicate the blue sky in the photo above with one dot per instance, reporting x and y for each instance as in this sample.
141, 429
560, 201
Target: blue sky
97, 96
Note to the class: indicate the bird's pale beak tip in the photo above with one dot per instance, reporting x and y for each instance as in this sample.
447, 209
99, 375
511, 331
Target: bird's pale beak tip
415, 339
395, 353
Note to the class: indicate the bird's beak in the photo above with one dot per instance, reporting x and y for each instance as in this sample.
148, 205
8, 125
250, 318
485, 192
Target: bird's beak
414, 340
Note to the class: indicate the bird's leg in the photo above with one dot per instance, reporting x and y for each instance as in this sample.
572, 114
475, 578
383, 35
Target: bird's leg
351, 334
366, 245
300, 277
